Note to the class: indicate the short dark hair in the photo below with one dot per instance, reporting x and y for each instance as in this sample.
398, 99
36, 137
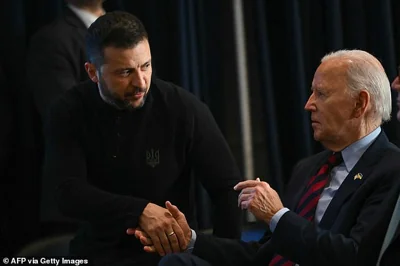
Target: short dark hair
114, 29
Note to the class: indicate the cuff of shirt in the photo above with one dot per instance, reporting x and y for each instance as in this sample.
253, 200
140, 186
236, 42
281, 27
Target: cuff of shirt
191, 243
275, 219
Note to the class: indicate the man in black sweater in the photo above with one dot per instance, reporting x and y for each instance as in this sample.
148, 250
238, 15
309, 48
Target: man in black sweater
120, 145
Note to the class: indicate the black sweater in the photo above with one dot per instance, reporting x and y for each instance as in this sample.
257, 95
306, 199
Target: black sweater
109, 164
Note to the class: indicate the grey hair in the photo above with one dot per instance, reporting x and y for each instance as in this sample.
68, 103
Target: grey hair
366, 72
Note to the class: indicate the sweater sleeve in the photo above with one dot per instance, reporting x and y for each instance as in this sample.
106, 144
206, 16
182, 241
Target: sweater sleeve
65, 169
216, 168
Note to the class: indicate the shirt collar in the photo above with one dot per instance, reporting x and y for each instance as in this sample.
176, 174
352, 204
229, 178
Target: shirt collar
86, 17
353, 152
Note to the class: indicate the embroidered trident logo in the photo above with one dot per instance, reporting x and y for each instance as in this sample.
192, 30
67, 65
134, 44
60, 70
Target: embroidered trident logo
153, 157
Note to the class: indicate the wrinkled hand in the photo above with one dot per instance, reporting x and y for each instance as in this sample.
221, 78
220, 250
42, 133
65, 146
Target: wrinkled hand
259, 198
396, 84
164, 231
181, 219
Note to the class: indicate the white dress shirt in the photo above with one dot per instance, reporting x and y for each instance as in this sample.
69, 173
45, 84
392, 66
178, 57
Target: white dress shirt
86, 17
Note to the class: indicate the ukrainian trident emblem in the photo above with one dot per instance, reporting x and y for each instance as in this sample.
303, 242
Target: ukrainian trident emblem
153, 157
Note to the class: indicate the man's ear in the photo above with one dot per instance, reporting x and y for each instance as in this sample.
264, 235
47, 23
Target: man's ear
92, 72
362, 103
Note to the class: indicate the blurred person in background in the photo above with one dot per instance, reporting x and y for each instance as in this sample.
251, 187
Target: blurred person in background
56, 59
7, 173
57, 52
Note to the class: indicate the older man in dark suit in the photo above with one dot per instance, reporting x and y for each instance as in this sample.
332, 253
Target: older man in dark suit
333, 195
57, 52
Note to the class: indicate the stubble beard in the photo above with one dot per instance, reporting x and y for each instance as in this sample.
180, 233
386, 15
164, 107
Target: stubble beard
116, 102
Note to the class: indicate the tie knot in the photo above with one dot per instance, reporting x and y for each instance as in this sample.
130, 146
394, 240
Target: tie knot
335, 159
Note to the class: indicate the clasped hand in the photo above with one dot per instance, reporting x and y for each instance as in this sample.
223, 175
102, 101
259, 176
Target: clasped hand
162, 230
166, 230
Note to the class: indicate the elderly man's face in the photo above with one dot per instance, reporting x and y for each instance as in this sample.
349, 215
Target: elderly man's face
330, 104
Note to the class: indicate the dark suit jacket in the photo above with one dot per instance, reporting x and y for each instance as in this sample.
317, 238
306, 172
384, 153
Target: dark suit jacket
371, 244
55, 63
56, 59
336, 239
7, 142
7, 133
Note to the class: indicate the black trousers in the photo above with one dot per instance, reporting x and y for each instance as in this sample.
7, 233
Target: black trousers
182, 259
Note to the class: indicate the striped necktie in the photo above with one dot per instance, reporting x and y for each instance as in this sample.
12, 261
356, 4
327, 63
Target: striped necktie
309, 201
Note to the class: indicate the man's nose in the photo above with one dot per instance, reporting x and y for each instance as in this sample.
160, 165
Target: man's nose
310, 103
139, 80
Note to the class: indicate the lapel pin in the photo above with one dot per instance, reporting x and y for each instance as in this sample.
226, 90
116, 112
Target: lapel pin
358, 176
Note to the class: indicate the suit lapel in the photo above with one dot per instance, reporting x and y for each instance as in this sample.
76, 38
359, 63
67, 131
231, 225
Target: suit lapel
72, 19
364, 166
302, 177
394, 220
397, 234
